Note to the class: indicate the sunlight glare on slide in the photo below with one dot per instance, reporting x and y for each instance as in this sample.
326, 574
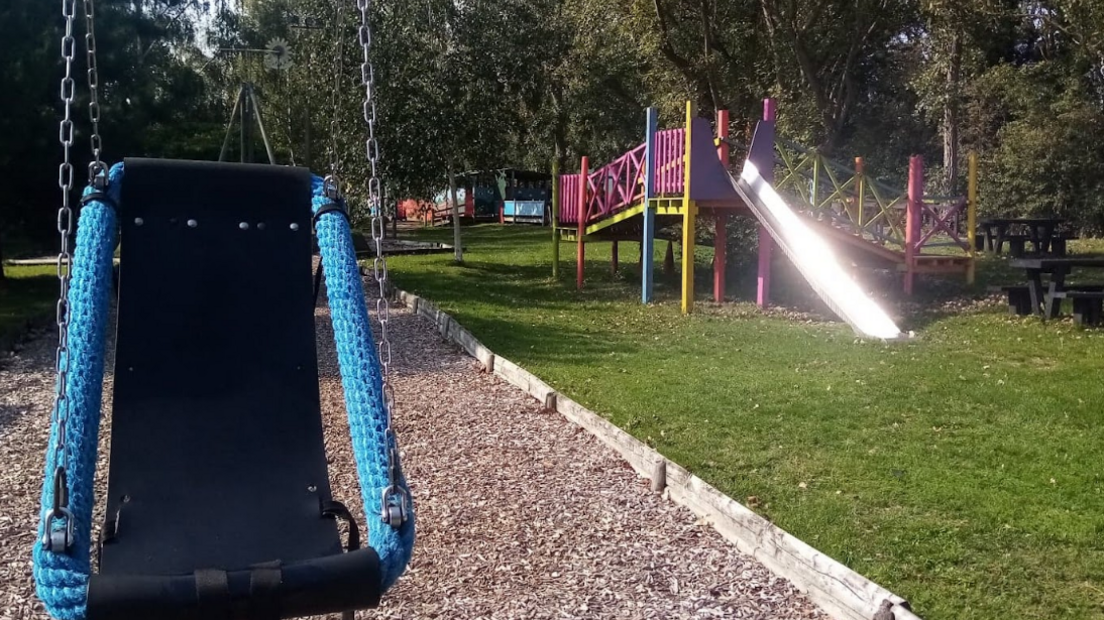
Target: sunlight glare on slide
816, 261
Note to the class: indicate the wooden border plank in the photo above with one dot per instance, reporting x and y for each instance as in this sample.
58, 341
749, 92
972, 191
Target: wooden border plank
838, 590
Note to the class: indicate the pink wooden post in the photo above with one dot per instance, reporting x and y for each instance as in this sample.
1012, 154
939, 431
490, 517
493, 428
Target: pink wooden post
720, 217
912, 218
766, 243
581, 214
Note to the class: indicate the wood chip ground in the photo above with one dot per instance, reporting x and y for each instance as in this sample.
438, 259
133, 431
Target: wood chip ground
520, 513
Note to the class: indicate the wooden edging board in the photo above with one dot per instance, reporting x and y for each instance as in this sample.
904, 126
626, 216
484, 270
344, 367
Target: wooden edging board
839, 591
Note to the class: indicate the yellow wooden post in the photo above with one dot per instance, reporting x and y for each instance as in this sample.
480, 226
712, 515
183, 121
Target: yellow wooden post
689, 220
971, 214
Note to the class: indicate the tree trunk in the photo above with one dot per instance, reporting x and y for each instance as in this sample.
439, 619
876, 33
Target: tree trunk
459, 251
307, 161
385, 210
699, 80
950, 115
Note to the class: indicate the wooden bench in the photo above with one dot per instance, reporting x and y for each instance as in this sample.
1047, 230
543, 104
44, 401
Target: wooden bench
1017, 245
1058, 244
1019, 298
1087, 303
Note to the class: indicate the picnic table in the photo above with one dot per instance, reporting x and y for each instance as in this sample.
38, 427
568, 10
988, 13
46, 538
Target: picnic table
1045, 300
1040, 231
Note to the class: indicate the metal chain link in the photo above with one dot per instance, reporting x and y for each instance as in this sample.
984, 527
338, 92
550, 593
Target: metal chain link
96, 170
395, 499
59, 540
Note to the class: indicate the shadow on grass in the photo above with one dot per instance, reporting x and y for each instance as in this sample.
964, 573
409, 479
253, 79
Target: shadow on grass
510, 264
23, 301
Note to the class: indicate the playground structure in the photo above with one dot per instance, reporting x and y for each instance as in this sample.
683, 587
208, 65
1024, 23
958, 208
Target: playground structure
505, 195
677, 174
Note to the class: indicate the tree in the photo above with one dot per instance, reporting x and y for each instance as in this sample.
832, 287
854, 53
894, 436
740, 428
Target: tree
152, 100
829, 42
950, 38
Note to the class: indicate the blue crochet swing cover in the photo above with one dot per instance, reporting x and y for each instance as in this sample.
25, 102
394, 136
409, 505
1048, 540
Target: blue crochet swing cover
62, 578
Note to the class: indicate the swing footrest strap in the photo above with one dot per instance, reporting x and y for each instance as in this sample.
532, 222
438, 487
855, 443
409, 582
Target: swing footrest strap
266, 592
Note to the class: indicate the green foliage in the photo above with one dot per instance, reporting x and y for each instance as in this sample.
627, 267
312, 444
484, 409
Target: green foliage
519, 83
1047, 154
148, 82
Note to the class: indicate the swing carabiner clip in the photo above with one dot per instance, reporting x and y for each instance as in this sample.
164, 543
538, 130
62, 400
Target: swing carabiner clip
331, 187
57, 540
395, 504
97, 176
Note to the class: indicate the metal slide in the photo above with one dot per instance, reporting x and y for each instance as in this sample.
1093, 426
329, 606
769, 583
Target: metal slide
814, 258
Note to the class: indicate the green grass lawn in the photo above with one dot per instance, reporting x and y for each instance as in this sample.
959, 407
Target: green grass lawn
962, 471
27, 293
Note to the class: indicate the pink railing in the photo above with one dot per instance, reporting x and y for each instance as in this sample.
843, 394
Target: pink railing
932, 222
670, 147
611, 188
941, 224
569, 198
620, 184
617, 185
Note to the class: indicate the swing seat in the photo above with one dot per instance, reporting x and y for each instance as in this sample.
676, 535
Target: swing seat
219, 502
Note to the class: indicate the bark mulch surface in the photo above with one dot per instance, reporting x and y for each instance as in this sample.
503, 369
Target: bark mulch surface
520, 513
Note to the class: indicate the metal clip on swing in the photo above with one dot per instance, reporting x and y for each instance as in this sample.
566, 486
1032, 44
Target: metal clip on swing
97, 176
97, 180
332, 192
331, 187
396, 500
58, 540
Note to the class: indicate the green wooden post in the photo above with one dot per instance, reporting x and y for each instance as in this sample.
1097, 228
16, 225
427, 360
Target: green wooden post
816, 182
555, 219
860, 170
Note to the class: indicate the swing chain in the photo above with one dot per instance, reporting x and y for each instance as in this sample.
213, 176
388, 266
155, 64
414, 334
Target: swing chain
97, 171
58, 540
395, 500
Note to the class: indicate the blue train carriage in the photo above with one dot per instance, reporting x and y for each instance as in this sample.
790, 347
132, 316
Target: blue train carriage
528, 198
509, 195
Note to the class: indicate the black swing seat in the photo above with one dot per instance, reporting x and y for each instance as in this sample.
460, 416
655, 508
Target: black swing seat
218, 488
